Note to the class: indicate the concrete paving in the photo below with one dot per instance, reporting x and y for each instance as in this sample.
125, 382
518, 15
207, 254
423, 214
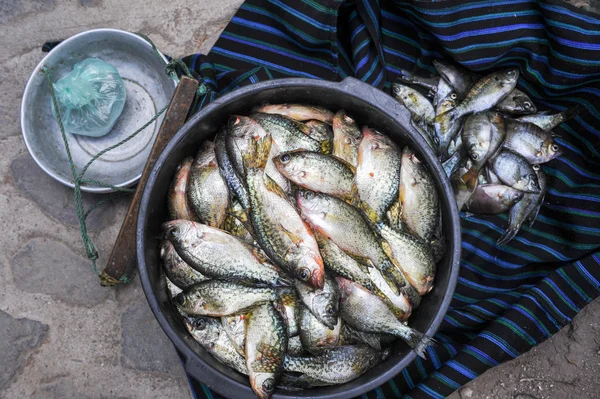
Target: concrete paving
64, 336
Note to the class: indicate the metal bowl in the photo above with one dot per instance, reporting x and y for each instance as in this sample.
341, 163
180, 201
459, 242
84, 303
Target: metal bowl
369, 106
148, 88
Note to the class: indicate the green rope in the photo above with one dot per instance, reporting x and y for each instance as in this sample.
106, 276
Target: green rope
78, 178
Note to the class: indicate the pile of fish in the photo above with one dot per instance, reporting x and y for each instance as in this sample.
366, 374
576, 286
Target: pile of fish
489, 136
298, 244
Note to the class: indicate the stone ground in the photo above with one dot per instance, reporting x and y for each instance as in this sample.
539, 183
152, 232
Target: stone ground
61, 334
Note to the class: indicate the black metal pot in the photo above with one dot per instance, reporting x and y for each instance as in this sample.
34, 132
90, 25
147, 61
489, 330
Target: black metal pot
369, 106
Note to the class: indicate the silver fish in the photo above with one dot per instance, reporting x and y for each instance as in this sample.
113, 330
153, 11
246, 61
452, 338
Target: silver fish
177, 201
323, 303
443, 91
530, 141
243, 131
235, 328
462, 190
414, 256
346, 138
364, 311
526, 209
377, 173
350, 230
219, 298
299, 112
287, 133
230, 175
458, 77
514, 170
517, 102
266, 345
179, 273
548, 122
295, 347
415, 102
419, 197
209, 333
398, 303
430, 84
492, 199
451, 164
217, 254
316, 336
323, 133
337, 365
207, 192
290, 304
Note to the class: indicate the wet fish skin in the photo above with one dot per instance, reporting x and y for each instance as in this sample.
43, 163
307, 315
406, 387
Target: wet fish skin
235, 328
456, 76
364, 311
281, 232
295, 347
316, 336
482, 95
299, 112
445, 130
514, 171
287, 133
266, 345
419, 197
443, 91
242, 132
323, 303
172, 289
350, 230
290, 303
337, 365
398, 303
517, 102
217, 254
230, 175
530, 141
346, 137
349, 336
426, 132
548, 122
526, 209
462, 190
451, 164
234, 223
219, 298
177, 202
482, 135
430, 83
414, 256
179, 273
378, 172
415, 102
340, 263
318, 172
491, 176
207, 192
210, 334
323, 133
492, 199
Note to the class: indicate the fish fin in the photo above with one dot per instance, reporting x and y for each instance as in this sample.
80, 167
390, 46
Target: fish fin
470, 179
369, 212
353, 198
326, 146
295, 239
421, 345
272, 186
267, 359
370, 339
257, 154
468, 214
508, 235
533, 214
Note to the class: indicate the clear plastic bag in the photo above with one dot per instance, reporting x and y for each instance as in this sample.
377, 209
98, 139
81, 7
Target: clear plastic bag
90, 98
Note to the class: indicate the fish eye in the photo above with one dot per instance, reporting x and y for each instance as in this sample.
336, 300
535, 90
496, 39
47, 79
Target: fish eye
285, 158
180, 300
172, 233
527, 104
510, 72
303, 274
330, 310
200, 324
309, 195
348, 140
453, 96
554, 148
536, 167
498, 113
268, 385
474, 156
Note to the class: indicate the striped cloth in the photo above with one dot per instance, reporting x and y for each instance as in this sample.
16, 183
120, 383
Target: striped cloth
509, 298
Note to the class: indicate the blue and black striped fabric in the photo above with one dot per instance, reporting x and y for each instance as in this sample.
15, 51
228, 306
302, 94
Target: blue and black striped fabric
509, 298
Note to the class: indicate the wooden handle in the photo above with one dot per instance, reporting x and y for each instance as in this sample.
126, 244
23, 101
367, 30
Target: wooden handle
122, 259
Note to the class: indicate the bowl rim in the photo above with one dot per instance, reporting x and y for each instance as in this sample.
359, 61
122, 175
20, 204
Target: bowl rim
27, 92
380, 103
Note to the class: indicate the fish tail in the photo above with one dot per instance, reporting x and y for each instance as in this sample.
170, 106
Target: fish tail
421, 342
508, 235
